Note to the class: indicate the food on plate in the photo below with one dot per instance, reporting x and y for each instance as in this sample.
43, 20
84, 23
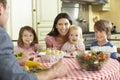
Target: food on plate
32, 63
51, 55
32, 66
19, 54
51, 51
42, 50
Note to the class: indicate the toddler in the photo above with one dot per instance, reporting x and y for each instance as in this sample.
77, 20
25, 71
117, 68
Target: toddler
75, 42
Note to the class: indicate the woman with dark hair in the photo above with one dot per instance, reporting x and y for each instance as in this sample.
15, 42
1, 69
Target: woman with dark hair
58, 35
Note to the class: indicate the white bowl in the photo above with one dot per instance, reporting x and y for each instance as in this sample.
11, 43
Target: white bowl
46, 57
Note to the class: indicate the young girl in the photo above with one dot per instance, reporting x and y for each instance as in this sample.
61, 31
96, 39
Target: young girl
27, 44
75, 42
102, 30
27, 40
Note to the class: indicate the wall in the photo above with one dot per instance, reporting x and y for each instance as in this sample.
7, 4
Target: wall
20, 15
114, 13
92, 16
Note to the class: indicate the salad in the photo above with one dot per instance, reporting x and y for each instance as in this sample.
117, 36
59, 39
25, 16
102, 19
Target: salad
92, 60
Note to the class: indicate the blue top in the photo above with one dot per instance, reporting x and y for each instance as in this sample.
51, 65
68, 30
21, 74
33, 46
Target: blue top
9, 66
108, 48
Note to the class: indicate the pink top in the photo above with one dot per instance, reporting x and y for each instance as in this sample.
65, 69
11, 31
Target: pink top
50, 40
68, 47
19, 49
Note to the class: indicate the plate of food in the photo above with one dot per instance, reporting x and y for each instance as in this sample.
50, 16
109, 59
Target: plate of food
33, 66
51, 55
19, 54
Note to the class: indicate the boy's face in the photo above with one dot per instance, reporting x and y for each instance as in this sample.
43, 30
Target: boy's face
100, 35
74, 36
27, 37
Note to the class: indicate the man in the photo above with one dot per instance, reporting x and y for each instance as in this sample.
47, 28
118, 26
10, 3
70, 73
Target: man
9, 66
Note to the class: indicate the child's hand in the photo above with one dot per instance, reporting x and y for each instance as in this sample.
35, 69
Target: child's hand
26, 56
79, 49
37, 47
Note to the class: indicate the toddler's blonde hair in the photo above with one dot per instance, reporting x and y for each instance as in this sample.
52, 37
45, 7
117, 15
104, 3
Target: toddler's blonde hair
77, 28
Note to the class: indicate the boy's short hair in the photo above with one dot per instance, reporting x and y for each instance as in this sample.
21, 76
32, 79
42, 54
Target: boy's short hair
103, 25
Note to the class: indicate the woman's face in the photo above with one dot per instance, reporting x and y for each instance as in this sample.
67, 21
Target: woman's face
63, 26
100, 35
27, 37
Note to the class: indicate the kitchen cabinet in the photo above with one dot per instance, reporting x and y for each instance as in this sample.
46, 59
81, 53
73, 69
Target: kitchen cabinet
115, 36
20, 14
106, 7
38, 14
44, 13
102, 7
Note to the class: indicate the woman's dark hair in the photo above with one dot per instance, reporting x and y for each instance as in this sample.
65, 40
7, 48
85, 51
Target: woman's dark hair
54, 31
103, 25
4, 2
30, 29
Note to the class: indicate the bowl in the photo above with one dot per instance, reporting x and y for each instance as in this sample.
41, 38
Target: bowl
92, 61
52, 56
45, 57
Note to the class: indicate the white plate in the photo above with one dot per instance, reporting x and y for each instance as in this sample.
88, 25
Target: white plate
42, 53
69, 55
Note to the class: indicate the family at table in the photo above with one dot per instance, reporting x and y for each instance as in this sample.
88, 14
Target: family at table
64, 36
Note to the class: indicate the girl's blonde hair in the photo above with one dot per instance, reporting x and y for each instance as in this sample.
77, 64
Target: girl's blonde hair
77, 28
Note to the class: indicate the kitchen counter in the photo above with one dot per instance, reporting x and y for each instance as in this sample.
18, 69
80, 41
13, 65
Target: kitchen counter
115, 33
89, 37
114, 39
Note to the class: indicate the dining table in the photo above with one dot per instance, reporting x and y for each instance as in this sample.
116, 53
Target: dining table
109, 71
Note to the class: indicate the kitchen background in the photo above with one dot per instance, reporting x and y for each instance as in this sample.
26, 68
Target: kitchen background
40, 14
